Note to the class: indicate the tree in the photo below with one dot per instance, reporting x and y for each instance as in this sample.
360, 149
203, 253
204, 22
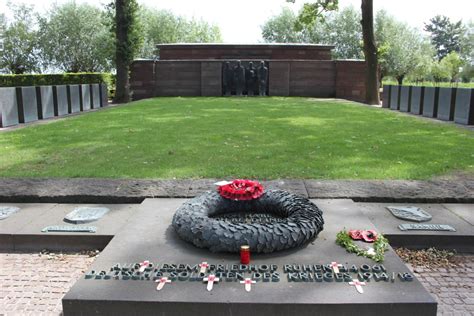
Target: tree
452, 64
161, 26
128, 39
313, 11
401, 49
280, 28
20, 51
341, 29
74, 38
445, 35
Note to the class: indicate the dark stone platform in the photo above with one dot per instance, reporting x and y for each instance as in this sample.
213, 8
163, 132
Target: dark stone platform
117, 191
149, 236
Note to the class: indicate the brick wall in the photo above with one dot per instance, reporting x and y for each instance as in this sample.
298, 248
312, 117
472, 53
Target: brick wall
255, 51
341, 79
351, 80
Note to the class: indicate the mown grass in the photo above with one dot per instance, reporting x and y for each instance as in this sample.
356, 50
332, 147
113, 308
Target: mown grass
263, 138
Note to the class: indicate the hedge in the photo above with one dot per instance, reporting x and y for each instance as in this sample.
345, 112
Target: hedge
56, 79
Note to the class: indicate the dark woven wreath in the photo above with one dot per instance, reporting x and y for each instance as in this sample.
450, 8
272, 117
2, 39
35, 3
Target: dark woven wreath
276, 221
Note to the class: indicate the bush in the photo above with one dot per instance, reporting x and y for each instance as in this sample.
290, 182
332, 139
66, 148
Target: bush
59, 79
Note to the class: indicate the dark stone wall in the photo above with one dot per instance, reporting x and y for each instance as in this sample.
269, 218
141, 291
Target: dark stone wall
312, 78
351, 80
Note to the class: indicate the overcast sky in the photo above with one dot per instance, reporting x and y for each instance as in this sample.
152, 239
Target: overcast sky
240, 20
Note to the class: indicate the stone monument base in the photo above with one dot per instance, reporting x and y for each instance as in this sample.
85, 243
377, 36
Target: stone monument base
293, 282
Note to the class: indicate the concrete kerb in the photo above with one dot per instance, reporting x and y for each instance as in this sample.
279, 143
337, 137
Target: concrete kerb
109, 191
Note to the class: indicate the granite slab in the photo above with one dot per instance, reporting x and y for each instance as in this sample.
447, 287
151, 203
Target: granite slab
149, 236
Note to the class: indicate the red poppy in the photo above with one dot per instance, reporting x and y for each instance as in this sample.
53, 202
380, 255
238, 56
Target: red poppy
242, 190
355, 234
369, 235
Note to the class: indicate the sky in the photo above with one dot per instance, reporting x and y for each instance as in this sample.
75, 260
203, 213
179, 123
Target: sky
240, 20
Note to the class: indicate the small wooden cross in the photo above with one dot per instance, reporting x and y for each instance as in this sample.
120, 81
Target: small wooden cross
358, 285
335, 266
143, 266
210, 281
203, 265
248, 283
161, 283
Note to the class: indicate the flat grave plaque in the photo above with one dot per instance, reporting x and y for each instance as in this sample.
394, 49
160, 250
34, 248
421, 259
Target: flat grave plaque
411, 213
30, 105
69, 228
434, 227
6, 211
47, 102
86, 97
8, 107
84, 214
115, 285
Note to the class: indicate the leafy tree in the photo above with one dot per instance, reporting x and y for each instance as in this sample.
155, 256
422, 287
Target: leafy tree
445, 35
280, 28
313, 11
162, 26
128, 39
19, 53
402, 50
74, 38
341, 29
452, 63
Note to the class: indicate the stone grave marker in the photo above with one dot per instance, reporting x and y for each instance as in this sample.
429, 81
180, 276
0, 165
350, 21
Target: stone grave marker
416, 101
86, 97
433, 227
405, 94
394, 97
75, 98
6, 211
464, 107
95, 95
85, 214
430, 102
47, 101
30, 105
69, 228
8, 107
446, 104
104, 96
62, 100
411, 213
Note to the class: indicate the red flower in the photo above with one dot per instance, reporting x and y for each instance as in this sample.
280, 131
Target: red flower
355, 234
369, 235
242, 190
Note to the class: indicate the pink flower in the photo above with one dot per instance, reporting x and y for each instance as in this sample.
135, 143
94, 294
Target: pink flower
355, 234
369, 235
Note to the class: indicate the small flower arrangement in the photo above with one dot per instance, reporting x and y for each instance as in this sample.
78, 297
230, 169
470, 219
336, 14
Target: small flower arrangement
377, 253
241, 190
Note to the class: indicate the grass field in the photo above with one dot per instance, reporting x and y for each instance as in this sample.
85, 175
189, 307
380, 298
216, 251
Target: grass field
263, 138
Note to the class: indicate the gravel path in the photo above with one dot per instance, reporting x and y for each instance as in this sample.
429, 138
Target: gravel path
34, 284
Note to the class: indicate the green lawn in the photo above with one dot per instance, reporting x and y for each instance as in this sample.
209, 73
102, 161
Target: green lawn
263, 138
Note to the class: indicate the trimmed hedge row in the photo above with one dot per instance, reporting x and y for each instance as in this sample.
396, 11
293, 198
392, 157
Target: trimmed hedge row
56, 79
